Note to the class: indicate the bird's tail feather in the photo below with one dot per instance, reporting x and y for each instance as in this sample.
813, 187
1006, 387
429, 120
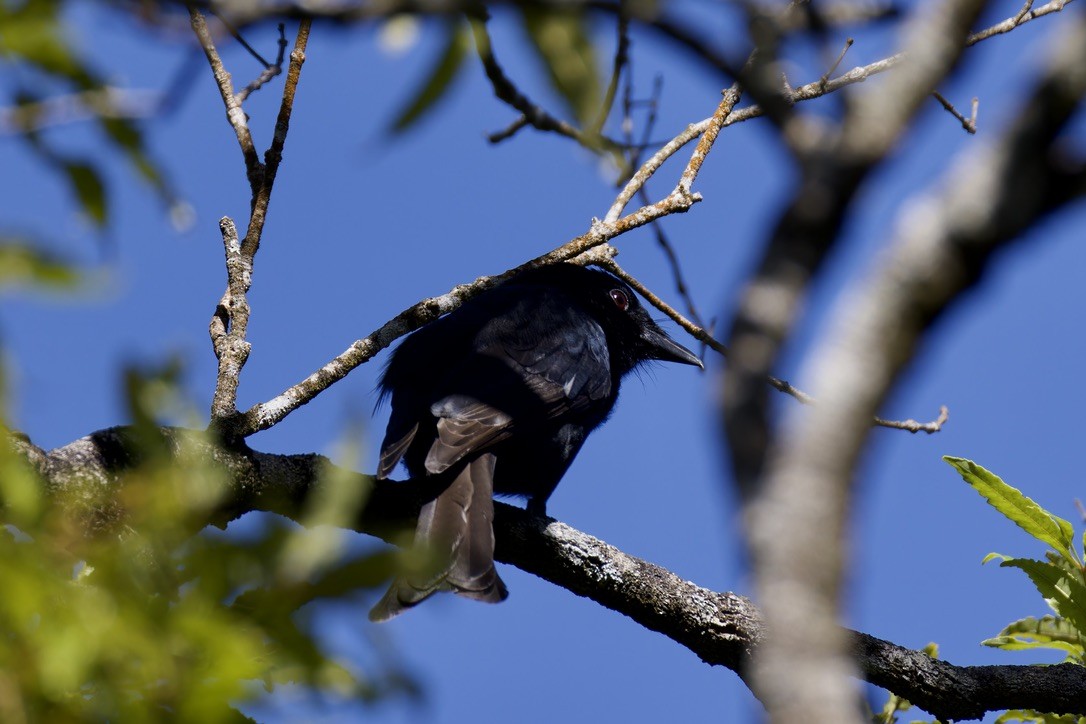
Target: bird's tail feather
456, 526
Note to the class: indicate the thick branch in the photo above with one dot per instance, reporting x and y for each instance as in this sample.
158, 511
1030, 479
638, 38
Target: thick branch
722, 629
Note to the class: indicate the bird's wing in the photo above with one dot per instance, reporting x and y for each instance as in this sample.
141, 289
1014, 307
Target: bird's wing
398, 438
552, 363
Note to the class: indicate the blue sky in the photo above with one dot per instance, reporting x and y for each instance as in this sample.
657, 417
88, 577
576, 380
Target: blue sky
362, 225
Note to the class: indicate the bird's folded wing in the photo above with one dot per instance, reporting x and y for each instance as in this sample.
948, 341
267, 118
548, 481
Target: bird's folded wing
552, 371
398, 438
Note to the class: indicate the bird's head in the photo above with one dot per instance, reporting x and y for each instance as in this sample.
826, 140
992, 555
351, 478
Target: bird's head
632, 336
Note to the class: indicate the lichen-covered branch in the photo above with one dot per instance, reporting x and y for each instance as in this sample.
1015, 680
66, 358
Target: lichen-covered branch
230, 322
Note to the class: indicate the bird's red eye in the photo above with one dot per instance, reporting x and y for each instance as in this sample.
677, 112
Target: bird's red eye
621, 300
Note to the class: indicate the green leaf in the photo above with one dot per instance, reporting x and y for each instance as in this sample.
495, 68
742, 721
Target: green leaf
1064, 593
31, 32
1046, 628
1012, 643
562, 42
1036, 717
88, 188
21, 264
1021, 510
439, 80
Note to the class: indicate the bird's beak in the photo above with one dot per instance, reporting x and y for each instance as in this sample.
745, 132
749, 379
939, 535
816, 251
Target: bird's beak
666, 349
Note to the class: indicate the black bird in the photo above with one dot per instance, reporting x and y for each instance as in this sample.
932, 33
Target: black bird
498, 397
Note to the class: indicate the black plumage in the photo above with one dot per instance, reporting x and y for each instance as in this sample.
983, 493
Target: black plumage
498, 397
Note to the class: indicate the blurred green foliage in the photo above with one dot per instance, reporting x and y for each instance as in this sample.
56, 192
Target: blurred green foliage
42, 64
116, 607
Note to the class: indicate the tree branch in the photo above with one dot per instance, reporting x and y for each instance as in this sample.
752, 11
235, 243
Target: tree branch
230, 322
722, 629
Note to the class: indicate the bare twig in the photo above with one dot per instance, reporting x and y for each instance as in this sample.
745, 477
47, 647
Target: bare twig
531, 113
235, 115
833, 68
708, 137
677, 275
236, 35
969, 124
701, 151
270, 71
509, 131
913, 426
621, 59
230, 322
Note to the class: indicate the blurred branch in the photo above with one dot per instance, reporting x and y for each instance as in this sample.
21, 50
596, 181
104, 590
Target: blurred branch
969, 124
619, 63
106, 102
986, 201
795, 520
722, 629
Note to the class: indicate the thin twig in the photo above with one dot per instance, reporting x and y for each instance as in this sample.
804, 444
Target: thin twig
533, 114
672, 257
622, 57
731, 96
270, 71
701, 151
833, 68
969, 124
242, 41
274, 155
913, 426
234, 113
509, 131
